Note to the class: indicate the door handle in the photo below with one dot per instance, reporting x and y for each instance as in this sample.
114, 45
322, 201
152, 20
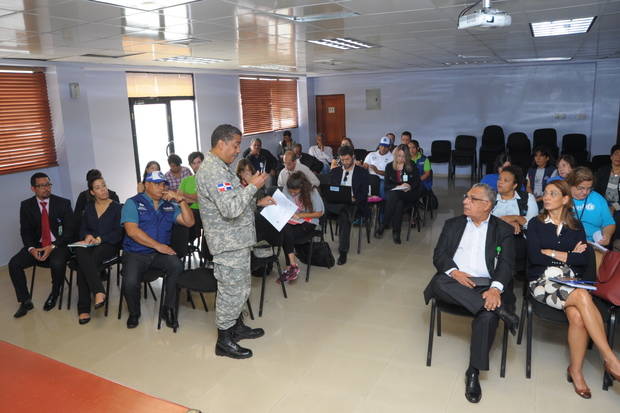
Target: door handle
168, 148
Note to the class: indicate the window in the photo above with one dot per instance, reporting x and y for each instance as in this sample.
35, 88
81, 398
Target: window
26, 137
268, 104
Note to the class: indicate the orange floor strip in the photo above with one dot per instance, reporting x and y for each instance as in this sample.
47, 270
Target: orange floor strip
30, 382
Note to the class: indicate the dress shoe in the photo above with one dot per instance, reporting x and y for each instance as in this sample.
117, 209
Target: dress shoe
342, 259
83, 321
511, 319
51, 301
396, 238
101, 304
241, 331
133, 321
23, 309
473, 392
585, 393
227, 346
169, 316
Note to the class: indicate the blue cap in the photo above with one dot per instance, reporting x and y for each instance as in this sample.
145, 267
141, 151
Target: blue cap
385, 141
155, 177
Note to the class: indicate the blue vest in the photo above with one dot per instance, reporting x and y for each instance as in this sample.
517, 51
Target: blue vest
428, 183
531, 175
156, 224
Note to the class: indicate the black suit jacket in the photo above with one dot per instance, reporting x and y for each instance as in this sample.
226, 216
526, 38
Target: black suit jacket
270, 161
602, 179
311, 162
60, 216
361, 181
499, 234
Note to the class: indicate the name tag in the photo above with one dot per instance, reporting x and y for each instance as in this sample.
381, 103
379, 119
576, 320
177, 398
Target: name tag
168, 208
141, 207
334, 188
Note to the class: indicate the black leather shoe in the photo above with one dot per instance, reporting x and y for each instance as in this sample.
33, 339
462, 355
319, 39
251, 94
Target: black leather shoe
83, 321
169, 316
241, 331
473, 392
101, 304
133, 321
51, 301
226, 345
511, 320
342, 259
396, 238
23, 309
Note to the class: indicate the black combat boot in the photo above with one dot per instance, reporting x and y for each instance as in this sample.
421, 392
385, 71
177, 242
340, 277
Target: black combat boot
241, 331
226, 345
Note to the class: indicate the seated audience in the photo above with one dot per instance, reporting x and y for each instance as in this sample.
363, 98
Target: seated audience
176, 173
501, 161
309, 209
322, 152
392, 140
405, 138
557, 239
402, 188
540, 172
462, 252
566, 163
310, 161
148, 219
292, 165
46, 227
376, 162
188, 191
286, 144
346, 142
261, 159
152, 166
591, 208
423, 164
101, 227
85, 196
348, 174
607, 183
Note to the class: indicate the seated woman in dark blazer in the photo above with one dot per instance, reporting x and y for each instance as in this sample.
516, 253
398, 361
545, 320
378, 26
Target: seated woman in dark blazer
401, 173
557, 242
101, 227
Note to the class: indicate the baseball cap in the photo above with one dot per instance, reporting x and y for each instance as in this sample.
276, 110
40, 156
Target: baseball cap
156, 177
385, 141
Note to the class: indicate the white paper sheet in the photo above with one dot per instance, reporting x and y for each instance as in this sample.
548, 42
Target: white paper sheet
401, 187
279, 214
596, 237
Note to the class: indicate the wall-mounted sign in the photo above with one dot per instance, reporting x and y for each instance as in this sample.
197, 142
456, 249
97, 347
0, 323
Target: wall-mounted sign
331, 109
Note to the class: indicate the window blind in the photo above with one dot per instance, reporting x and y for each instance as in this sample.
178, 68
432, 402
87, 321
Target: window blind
268, 104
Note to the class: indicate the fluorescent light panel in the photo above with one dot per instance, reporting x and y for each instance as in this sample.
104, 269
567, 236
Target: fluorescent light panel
190, 60
317, 17
539, 59
343, 43
562, 27
282, 68
146, 5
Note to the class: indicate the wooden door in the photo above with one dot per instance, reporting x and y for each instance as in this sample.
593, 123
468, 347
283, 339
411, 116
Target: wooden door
330, 119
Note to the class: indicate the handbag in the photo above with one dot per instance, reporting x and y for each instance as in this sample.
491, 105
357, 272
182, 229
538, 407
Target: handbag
608, 286
321, 254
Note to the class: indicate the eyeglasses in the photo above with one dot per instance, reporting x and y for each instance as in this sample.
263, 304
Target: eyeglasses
346, 176
471, 198
583, 188
47, 185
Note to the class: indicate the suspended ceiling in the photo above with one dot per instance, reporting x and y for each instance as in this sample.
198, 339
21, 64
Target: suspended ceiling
409, 34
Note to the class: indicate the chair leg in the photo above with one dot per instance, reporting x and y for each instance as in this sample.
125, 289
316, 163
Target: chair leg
359, 238
279, 269
438, 322
409, 225
190, 299
523, 320
250, 309
161, 300
70, 290
530, 333
176, 306
107, 291
144, 284
611, 330
262, 294
502, 371
309, 260
34, 269
204, 303
62, 291
431, 333
152, 291
120, 302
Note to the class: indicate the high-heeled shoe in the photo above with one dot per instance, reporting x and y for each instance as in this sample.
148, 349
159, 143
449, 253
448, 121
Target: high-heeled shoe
586, 394
101, 304
611, 374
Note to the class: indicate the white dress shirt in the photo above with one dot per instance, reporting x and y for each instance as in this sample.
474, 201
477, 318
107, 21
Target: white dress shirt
470, 256
347, 177
285, 174
324, 155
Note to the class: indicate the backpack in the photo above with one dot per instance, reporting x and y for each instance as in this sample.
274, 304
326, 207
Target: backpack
321, 254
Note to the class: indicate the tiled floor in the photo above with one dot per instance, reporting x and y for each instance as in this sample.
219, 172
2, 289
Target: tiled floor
353, 339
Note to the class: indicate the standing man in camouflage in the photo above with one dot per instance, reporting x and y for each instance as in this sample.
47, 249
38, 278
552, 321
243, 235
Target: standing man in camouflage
227, 214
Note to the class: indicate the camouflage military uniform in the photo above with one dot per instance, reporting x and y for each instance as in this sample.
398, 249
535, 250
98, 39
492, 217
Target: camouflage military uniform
226, 209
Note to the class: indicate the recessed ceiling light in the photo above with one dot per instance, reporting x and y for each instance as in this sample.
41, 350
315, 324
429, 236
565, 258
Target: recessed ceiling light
562, 27
146, 5
282, 68
190, 60
343, 43
539, 59
317, 17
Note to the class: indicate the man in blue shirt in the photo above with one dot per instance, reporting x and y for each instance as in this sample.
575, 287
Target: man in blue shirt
148, 218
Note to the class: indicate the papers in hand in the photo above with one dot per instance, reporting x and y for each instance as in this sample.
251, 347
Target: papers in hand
574, 282
401, 187
279, 214
596, 237
81, 245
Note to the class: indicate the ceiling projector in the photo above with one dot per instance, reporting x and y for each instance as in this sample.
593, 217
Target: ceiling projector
484, 18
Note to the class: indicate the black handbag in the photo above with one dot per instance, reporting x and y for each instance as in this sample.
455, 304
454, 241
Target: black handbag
321, 254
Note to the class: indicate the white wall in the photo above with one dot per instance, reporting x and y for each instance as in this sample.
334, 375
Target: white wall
606, 106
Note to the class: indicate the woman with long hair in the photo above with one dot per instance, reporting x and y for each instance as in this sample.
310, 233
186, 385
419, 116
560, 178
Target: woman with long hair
556, 246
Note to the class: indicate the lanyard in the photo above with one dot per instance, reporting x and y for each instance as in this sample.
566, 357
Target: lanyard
585, 202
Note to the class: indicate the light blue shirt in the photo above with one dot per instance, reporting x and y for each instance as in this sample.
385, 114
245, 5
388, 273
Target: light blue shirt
596, 215
505, 207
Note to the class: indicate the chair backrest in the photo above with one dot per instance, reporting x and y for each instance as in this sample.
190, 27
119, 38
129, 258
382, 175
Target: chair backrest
440, 151
360, 154
574, 142
600, 160
546, 137
465, 143
493, 136
180, 239
373, 183
518, 143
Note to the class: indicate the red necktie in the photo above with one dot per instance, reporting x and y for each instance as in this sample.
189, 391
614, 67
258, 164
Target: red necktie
46, 235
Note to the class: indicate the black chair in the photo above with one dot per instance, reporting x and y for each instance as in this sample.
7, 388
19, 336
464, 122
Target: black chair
270, 255
547, 137
360, 154
599, 161
609, 312
464, 154
309, 239
519, 149
437, 307
441, 152
67, 281
492, 144
576, 144
375, 201
415, 218
531, 308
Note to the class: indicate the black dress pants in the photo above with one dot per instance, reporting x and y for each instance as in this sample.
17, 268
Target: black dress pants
484, 325
291, 233
134, 267
345, 218
89, 272
57, 262
395, 203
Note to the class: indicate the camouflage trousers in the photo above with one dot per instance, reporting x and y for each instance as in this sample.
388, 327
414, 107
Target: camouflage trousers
232, 271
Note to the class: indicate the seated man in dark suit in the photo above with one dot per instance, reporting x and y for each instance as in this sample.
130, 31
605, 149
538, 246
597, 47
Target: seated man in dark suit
261, 159
46, 227
348, 174
310, 161
476, 244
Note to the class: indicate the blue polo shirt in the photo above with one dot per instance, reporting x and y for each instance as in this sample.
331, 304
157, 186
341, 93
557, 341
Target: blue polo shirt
130, 210
596, 215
